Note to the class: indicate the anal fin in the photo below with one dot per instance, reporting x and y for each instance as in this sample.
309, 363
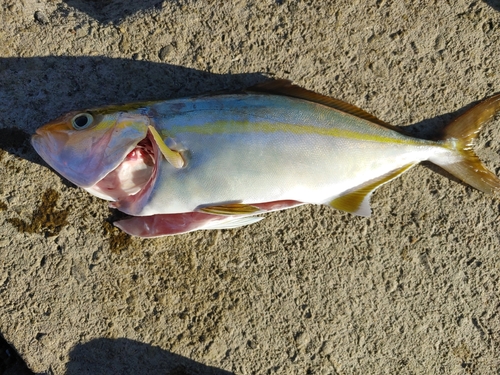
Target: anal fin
357, 200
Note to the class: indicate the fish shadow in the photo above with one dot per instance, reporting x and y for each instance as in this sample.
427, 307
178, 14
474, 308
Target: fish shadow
113, 11
495, 4
36, 90
124, 356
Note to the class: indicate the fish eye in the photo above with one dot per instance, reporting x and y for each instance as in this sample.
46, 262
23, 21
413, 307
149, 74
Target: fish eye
82, 121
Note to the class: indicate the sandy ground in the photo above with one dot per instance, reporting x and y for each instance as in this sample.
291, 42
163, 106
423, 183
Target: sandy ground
412, 290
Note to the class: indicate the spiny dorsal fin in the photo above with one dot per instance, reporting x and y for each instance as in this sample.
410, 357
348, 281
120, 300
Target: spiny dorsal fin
287, 88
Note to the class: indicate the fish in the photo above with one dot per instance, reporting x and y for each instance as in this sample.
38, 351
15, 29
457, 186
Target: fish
219, 161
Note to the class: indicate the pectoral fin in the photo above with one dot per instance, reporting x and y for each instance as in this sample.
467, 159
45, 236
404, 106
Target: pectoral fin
357, 200
230, 209
173, 157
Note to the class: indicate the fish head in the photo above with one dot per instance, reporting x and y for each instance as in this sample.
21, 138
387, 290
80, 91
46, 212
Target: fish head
86, 146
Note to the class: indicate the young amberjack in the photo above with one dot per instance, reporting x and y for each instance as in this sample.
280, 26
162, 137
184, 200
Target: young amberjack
217, 161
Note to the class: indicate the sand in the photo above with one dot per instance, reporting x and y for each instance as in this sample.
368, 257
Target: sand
414, 289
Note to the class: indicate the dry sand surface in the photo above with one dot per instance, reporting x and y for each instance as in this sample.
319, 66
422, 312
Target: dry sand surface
412, 290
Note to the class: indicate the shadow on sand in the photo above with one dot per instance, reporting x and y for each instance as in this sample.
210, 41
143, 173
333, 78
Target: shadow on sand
495, 4
10, 361
113, 11
124, 356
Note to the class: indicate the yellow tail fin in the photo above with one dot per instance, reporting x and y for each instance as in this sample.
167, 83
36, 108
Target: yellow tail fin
461, 133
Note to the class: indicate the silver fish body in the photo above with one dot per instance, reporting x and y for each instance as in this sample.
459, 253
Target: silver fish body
213, 162
262, 148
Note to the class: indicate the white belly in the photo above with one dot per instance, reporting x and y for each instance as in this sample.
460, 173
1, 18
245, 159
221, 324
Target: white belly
254, 168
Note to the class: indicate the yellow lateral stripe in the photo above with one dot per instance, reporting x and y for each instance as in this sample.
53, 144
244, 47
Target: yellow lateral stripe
172, 157
221, 127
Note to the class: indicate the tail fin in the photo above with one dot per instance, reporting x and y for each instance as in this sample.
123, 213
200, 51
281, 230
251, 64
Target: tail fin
461, 133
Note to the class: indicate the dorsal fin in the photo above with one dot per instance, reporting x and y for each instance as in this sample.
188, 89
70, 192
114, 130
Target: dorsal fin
287, 88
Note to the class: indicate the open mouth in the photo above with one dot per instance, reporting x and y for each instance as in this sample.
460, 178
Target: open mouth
135, 174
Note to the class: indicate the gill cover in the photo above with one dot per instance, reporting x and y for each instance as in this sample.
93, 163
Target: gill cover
84, 146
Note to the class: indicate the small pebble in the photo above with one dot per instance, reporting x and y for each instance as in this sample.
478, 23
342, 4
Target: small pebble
164, 52
41, 17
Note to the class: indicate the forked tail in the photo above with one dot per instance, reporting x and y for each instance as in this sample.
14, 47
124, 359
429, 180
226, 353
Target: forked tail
460, 134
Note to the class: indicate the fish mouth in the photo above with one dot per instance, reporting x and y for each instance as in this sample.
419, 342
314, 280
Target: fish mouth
133, 177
